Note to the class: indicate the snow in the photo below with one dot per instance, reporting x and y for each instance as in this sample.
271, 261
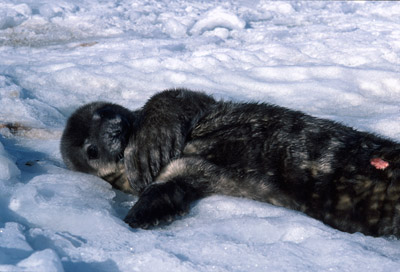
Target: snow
337, 60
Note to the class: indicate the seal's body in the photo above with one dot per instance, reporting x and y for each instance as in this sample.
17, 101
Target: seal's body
183, 145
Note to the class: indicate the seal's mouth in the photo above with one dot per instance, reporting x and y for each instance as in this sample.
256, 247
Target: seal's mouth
119, 181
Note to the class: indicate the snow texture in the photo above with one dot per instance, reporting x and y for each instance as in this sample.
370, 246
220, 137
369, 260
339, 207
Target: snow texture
337, 60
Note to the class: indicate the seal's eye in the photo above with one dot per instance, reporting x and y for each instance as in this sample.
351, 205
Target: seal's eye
92, 152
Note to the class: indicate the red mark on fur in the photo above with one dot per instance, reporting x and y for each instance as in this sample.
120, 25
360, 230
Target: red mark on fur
379, 163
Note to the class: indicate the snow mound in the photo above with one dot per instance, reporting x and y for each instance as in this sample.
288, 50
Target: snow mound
57, 201
13, 15
8, 169
215, 19
44, 261
13, 243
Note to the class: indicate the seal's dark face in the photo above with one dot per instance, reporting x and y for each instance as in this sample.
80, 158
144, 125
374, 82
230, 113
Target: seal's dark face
109, 135
94, 141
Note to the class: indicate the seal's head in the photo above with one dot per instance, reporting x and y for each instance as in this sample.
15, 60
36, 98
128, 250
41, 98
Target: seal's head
95, 138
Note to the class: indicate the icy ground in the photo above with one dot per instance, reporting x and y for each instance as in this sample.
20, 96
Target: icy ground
337, 60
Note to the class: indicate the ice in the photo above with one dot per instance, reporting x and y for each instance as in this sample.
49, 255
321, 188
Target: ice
8, 169
13, 243
44, 261
332, 59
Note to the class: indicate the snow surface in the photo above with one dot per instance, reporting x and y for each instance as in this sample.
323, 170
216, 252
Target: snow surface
337, 60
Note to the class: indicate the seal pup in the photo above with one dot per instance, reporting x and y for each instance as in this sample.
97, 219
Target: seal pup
184, 145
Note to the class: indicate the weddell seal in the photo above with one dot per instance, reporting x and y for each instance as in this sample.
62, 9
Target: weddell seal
184, 145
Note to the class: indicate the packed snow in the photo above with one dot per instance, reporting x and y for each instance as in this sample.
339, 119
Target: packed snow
336, 60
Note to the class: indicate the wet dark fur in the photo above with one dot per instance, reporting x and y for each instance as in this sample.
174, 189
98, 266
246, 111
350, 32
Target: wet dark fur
182, 146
